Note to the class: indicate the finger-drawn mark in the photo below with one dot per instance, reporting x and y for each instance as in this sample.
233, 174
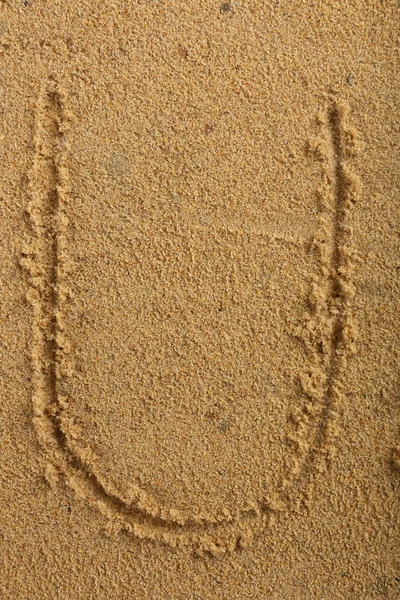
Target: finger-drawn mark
328, 335
330, 332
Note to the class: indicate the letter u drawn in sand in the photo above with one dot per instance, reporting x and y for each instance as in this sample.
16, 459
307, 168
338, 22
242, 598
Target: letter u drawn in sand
328, 334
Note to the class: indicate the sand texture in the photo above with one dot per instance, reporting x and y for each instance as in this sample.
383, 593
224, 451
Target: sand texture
199, 300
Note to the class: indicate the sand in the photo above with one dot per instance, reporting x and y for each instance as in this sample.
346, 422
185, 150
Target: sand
199, 300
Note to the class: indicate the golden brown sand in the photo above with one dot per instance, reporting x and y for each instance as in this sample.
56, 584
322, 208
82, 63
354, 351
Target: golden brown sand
199, 300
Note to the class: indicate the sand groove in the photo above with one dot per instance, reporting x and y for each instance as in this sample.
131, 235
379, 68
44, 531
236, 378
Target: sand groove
328, 335
330, 332
40, 257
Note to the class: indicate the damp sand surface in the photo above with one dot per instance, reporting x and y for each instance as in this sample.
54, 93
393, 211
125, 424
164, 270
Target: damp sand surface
199, 300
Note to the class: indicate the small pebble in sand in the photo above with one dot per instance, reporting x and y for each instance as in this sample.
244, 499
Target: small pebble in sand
225, 7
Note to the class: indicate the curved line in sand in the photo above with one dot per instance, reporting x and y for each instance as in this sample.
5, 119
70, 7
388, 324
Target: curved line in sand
47, 264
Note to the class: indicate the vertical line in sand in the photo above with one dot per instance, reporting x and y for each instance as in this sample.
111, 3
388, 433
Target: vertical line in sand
41, 257
46, 264
330, 331
346, 188
335, 120
337, 322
